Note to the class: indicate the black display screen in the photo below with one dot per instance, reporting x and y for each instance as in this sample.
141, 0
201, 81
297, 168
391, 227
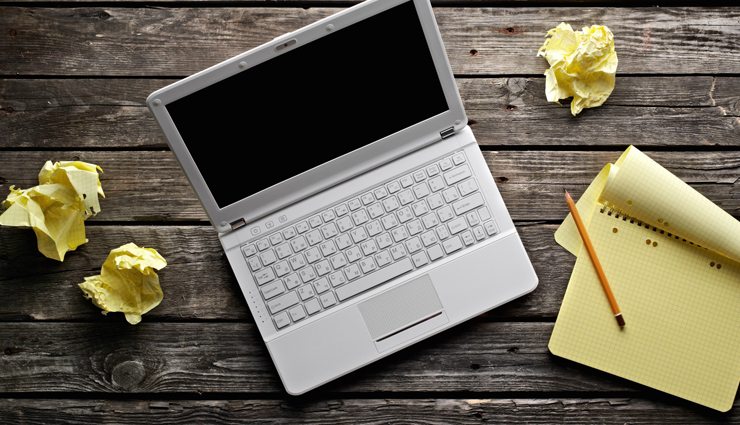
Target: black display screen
310, 104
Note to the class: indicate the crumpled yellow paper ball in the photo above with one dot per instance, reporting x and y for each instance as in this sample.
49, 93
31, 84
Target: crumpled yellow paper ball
56, 209
583, 65
127, 283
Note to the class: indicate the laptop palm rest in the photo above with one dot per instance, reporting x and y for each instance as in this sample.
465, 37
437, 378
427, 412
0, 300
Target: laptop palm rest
403, 313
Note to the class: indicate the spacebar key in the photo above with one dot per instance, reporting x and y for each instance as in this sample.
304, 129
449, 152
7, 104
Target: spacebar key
374, 279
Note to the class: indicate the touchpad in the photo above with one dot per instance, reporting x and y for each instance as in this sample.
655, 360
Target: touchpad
402, 308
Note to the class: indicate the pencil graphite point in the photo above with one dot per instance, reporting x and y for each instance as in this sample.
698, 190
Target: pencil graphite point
620, 320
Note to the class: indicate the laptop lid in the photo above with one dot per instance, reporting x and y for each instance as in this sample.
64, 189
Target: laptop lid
310, 109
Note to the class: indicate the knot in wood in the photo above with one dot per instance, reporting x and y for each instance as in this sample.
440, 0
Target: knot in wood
128, 374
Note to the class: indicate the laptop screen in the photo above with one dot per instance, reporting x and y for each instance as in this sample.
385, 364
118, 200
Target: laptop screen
310, 104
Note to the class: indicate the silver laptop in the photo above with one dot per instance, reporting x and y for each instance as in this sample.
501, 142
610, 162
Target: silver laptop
349, 194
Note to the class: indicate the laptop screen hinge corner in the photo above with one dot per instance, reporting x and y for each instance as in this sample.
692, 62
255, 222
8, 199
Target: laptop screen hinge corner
237, 224
447, 132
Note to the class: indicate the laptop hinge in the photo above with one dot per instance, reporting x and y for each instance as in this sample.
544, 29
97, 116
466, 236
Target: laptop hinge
447, 132
237, 224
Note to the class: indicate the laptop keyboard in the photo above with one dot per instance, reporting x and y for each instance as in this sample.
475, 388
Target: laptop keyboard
363, 242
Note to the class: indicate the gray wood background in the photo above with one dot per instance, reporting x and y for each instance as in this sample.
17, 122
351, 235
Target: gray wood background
73, 78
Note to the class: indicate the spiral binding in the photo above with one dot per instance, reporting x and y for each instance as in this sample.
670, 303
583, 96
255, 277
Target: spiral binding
620, 215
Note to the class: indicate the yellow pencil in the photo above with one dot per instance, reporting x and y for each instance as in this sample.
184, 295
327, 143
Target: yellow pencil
594, 259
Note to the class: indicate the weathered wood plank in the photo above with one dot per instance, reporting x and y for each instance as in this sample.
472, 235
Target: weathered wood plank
199, 358
198, 282
149, 186
361, 411
649, 111
162, 41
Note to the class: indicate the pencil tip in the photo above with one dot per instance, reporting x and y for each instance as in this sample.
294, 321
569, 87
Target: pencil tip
620, 320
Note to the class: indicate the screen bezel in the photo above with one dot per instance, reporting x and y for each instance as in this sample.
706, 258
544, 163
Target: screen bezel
329, 173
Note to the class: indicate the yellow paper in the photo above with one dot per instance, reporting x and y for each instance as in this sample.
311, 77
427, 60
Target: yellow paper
127, 283
681, 301
583, 65
67, 194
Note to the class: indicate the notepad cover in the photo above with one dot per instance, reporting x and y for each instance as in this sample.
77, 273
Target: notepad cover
680, 300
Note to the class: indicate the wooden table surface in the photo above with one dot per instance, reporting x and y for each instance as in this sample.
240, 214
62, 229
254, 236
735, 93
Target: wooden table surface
73, 78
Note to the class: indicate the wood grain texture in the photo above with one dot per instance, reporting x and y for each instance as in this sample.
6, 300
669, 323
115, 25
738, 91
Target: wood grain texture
474, 357
360, 411
198, 282
647, 111
149, 186
178, 41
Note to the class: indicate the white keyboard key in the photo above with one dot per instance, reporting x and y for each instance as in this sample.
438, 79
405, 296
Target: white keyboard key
457, 175
398, 251
399, 234
384, 240
299, 244
313, 255
358, 234
432, 170
421, 190
436, 184
445, 213
306, 292
451, 195
428, 238
375, 210
435, 201
312, 306
337, 278
322, 285
354, 204
283, 251
249, 250
323, 268
352, 272
353, 254
297, 261
338, 261
327, 300
297, 313
289, 233
430, 220
380, 193
451, 245
315, 221
405, 214
374, 279
419, 259
328, 215
265, 275
479, 233
292, 281
406, 197
341, 210
367, 198
254, 264
263, 244
368, 265
281, 320
313, 237
484, 214
307, 274
373, 228
368, 247
272, 289
457, 225
302, 227
413, 245
490, 227
435, 252
282, 302
360, 217
268, 257
393, 187
414, 227
343, 241
445, 164
420, 208
329, 231
467, 187
327, 248
391, 204
466, 204
419, 175
458, 158
467, 237
472, 218
442, 232
383, 258
282, 268
389, 221
407, 180
276, 238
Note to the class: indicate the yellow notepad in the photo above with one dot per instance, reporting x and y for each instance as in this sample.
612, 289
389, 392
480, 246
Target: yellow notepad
673, 261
